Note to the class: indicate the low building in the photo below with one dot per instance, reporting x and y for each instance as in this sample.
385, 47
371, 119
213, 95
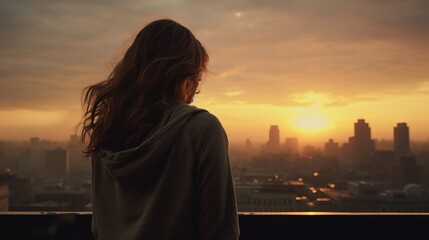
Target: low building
368, 197
4, 198
266, 198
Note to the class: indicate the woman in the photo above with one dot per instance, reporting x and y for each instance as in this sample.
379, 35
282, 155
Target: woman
160, 168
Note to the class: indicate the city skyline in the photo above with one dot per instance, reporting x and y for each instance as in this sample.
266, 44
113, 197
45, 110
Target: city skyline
310, 67
399, 141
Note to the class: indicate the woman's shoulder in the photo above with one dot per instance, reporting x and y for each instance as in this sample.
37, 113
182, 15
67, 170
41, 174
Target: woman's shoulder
205, 127
205, 119
203, 124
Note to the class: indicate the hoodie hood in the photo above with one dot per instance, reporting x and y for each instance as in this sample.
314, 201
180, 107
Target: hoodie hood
141, 165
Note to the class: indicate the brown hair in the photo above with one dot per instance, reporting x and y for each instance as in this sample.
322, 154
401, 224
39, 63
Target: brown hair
164, 60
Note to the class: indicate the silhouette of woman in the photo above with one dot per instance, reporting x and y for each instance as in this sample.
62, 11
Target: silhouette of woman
160, 167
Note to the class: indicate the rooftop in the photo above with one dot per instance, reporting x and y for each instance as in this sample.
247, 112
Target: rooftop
281, 225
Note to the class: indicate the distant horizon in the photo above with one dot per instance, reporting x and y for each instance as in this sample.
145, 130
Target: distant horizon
235, 134
235, 142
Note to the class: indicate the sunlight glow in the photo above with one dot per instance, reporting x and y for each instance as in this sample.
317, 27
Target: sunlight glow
310, 118
233, 93
311, 122
312, 98
23, 118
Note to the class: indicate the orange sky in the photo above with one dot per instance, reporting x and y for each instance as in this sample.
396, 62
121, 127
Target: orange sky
318, 65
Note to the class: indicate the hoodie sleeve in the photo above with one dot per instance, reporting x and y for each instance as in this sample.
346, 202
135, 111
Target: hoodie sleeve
217, 209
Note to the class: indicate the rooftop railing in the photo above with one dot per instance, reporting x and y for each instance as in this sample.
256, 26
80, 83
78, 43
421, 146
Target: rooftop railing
261, 225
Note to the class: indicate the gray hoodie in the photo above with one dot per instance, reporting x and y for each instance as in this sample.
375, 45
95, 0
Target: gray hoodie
176, 184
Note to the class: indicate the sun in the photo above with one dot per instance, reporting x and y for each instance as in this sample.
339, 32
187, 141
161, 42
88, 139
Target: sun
311, 118
311, 122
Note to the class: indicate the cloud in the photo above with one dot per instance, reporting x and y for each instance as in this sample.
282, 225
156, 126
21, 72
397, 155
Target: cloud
269, 50
233, 93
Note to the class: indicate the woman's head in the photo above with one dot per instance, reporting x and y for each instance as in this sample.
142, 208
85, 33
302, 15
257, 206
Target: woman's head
161, 68
164, 56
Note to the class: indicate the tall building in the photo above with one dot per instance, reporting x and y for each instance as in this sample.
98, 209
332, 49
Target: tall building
291, 145
4, 198
78, 165
401, 138
19, 189
27, 167
248, 145
408, 171
362, 146
34, 143
273, 139
2, 152
56, 163
331, 148
382, 162
32, 163
362, 130
310, 152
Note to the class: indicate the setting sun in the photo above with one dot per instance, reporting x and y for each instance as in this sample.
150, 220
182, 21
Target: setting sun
311, 122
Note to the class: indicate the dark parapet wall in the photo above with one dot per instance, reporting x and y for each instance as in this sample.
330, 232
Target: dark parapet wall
68, 226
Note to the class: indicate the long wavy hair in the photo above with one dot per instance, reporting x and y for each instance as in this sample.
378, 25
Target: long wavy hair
162, 68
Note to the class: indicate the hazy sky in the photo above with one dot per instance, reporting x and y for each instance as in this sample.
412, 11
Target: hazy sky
312, 67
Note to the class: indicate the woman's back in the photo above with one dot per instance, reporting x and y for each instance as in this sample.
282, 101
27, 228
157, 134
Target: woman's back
175, 185
160, 168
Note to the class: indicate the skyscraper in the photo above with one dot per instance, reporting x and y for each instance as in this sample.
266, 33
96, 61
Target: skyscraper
273, 138
291, 145
362, 130
361, 144
408, 171
331, 148
401, 139
56, 163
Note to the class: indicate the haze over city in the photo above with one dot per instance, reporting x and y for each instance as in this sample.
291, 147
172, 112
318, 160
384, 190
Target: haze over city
311, 67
